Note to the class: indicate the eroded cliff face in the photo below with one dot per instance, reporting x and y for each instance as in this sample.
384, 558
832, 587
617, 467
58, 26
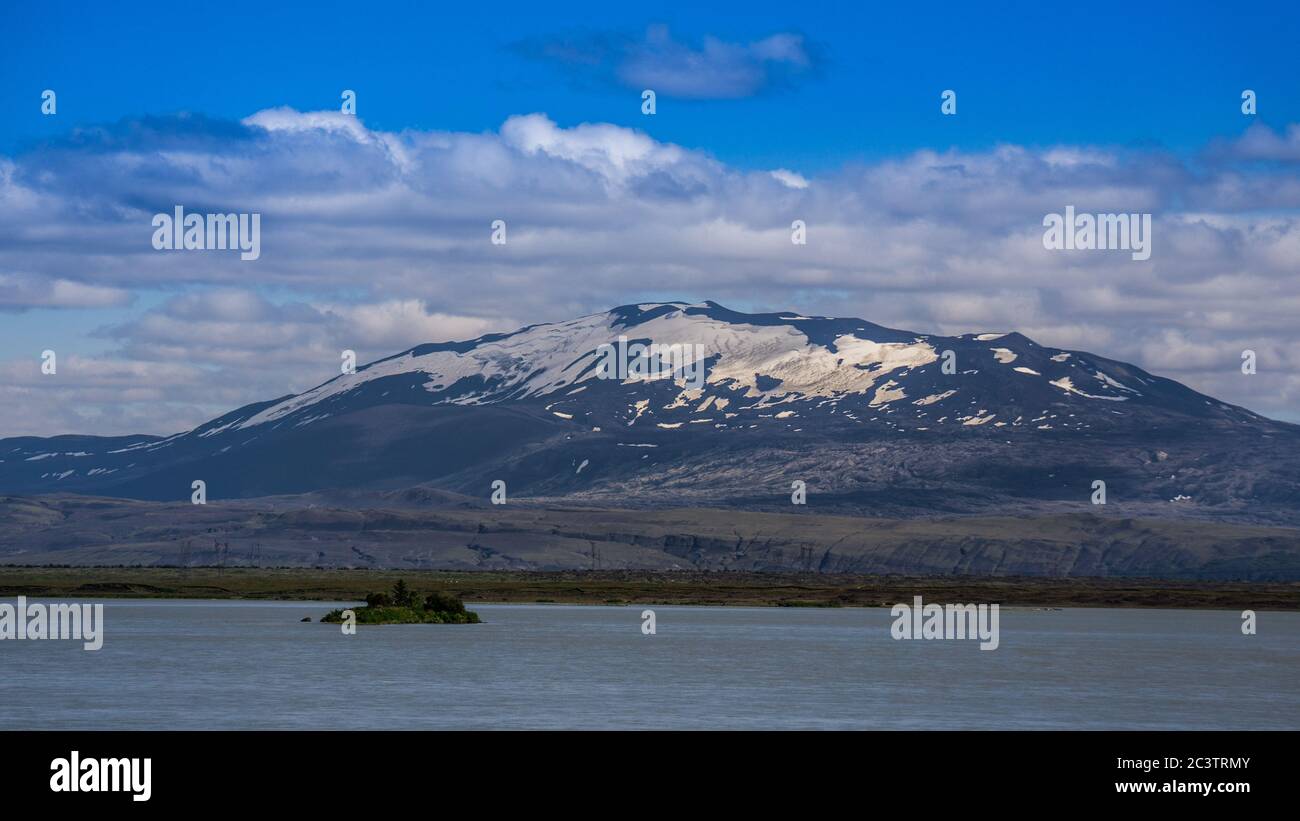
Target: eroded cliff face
463, 534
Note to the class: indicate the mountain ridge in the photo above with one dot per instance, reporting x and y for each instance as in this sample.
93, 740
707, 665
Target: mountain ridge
865, 415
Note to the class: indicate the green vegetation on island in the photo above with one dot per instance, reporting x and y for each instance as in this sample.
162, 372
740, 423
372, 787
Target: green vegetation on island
404, 606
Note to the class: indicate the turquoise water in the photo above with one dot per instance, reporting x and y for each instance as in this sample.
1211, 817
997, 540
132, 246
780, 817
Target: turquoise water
221, 664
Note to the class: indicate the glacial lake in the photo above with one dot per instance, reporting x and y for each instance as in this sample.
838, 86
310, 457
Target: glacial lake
237, 665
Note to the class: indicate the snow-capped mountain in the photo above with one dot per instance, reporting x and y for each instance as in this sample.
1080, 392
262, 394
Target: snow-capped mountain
753, 363
726, 408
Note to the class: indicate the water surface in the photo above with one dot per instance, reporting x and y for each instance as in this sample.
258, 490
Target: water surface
236, 665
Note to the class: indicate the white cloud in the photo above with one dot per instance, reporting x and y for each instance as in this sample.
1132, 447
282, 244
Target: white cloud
20, 292
714, 69
399, 324
789, 178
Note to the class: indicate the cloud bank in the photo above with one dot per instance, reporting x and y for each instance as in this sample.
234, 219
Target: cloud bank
376, 241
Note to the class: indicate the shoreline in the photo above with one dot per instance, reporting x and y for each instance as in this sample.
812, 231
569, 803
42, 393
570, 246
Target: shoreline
633, 587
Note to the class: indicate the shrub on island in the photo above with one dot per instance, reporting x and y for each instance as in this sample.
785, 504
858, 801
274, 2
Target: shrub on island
404, 606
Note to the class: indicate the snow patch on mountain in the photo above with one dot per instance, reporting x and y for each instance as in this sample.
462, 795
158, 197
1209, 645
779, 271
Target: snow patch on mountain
1105, 378
766, 361
1065, 384
886, 393
934, 397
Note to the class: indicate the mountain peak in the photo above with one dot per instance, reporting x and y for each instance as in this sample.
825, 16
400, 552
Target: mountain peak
652, 377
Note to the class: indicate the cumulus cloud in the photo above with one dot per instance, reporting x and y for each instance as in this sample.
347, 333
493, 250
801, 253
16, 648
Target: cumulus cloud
376, 241
1263, 143
20, 292
711, 70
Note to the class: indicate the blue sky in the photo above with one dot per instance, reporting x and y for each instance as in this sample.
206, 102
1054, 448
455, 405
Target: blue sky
1027, 73
375, 225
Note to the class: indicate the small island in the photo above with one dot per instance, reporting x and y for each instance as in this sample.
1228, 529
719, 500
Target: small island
404, 606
